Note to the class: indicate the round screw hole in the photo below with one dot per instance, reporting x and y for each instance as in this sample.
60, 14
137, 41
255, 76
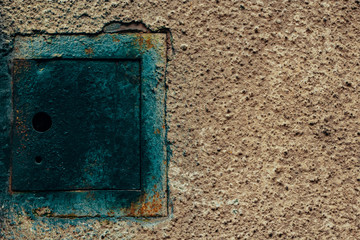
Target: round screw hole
38, 159
41, 122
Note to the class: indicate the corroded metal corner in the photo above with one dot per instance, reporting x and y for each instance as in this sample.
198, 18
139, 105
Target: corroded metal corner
149, 49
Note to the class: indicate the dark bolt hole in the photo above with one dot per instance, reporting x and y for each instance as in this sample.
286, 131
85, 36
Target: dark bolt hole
38, 159
41, 121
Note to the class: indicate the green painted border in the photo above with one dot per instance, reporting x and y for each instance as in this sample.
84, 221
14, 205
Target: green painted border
151, 201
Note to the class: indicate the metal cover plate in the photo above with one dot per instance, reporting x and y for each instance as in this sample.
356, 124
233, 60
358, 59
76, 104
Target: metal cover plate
93, 142
134, 62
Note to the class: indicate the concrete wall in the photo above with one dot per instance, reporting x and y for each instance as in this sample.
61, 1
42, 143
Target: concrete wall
262, 110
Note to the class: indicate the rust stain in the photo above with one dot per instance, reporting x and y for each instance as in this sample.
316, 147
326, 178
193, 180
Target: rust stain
111, 213
132, 210
145, 42
89, 51
151, 207
22, 132
21, 128
115, 39
157, 131
148, 41
19, 67
148, 207
140, 41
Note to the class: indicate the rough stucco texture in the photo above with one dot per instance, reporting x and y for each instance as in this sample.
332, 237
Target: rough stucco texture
262, 111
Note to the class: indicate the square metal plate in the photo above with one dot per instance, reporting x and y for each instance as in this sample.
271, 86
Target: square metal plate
88, 129
77, 125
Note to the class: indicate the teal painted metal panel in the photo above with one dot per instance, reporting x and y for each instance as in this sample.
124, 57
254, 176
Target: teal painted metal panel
144, 191
93, 141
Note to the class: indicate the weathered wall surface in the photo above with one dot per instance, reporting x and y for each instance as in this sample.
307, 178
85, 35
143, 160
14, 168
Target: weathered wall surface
262, 110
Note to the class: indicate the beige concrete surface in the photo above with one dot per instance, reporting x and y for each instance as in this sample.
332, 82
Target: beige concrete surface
262, 109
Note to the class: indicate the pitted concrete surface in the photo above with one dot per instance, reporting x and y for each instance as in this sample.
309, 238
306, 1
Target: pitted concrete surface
262, 110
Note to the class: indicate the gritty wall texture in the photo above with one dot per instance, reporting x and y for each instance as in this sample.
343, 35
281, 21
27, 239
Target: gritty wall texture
262, 114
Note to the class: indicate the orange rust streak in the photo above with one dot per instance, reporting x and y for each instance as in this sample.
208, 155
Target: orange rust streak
144, 42
149, 43
132, 210
149, 207
115, 39
152, 207
110, 213
141, 41
19, 67
146, 207
89, 51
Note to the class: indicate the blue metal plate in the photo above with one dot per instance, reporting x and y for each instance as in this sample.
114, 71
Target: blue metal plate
88, 129
92, 140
